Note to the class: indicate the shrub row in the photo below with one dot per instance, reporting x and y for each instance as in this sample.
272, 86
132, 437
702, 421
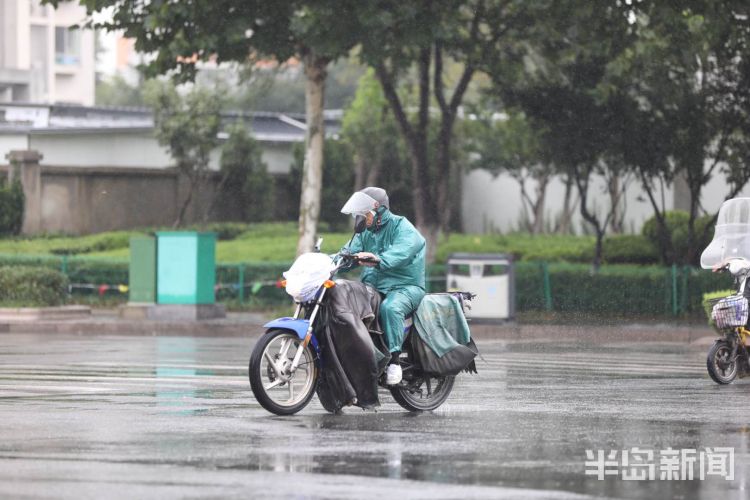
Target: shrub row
616, 289
619, 249
94, 243
11, 207
32, 286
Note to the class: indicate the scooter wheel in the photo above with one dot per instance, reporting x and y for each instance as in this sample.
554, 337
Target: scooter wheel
721, 368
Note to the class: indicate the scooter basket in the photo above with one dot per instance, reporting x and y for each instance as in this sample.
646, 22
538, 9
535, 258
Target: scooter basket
730, 312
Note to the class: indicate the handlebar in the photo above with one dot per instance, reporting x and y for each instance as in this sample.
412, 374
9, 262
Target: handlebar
347, 259
735, 266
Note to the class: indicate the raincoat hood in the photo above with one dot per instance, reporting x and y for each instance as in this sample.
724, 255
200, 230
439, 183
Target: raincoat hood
382, 217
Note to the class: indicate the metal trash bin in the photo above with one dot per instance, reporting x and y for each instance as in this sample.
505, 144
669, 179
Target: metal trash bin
186, 267
491, 277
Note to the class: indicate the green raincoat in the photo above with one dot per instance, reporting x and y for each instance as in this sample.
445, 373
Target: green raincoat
400, 275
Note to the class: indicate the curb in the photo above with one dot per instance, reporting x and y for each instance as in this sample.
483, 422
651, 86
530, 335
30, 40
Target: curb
594, 333
249, 324
16, 314
108, 323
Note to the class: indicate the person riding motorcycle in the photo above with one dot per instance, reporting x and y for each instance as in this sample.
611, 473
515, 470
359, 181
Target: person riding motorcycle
393, 253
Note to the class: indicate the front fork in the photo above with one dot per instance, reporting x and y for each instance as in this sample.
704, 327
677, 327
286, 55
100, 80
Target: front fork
308, 335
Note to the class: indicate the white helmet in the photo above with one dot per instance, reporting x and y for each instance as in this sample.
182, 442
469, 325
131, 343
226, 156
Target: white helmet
366, 200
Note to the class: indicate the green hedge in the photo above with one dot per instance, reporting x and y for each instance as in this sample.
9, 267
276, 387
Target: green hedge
23, 286
11, 207
94, 243
629, 249
677, 233
616, 289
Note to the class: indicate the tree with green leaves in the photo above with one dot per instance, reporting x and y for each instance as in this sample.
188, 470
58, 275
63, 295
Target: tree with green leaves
179, 35
188, 126
368, 126
405, 41
244, 177
687, 77
554, 76
12, 202
116, 91
506, 142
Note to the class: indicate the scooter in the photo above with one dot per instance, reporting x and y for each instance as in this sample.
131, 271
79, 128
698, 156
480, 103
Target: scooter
729, 251
728, 357
287, 361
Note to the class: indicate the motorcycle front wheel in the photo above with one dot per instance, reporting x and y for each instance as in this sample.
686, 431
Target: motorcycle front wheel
274, 387
721, 367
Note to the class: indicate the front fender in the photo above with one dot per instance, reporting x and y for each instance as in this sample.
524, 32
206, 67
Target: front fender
298, 326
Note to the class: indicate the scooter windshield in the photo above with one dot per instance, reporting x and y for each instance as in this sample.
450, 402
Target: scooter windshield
731, 236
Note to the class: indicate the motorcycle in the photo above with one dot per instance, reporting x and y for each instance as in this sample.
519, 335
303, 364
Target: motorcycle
729, 251
287, 361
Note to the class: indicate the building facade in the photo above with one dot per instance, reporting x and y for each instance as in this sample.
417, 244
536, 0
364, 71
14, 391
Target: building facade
43, 60
97, 169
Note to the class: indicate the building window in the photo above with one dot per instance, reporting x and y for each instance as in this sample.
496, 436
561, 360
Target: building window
37, 9
67, 46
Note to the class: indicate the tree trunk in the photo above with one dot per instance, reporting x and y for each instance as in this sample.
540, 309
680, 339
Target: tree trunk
312, 175
431, 235
415, 137
566, 218
373, 173
665, 242
692, 241
186, 203
538, 207
582, 181
613, 187
359, 171
526, 202
218, 190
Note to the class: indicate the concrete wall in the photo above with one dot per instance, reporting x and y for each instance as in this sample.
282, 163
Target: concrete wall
88, 200
79, 201
134, 148
493, 204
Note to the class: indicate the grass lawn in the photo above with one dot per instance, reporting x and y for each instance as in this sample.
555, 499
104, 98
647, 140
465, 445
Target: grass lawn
277, 242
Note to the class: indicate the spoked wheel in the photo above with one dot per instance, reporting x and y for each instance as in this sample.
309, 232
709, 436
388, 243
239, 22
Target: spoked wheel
423, 392
277, 390
721, 367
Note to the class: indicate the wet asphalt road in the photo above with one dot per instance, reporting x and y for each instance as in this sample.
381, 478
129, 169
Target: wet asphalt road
157, 417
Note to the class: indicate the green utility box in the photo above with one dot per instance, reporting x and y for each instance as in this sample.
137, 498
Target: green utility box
142, 270
186, 267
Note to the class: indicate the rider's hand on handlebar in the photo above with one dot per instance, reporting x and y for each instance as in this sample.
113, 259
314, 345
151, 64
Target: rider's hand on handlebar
721, 266
367, 259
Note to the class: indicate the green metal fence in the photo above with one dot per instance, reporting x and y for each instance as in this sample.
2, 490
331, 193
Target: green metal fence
540, 286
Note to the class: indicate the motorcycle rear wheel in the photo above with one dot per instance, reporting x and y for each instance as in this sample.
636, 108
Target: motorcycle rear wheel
276, 390
423, 392
720, 368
